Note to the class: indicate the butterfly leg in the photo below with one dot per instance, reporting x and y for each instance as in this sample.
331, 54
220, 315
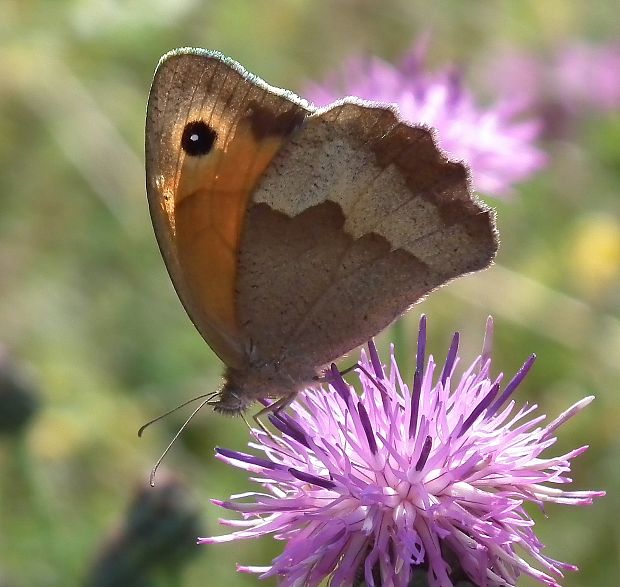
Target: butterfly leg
274, 407
326, 378
351, 368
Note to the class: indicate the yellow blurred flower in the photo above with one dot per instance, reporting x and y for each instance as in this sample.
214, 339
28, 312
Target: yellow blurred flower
594, 261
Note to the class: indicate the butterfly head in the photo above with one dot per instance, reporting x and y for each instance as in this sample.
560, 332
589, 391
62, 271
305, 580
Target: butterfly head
230, 404
244, 386
233, 398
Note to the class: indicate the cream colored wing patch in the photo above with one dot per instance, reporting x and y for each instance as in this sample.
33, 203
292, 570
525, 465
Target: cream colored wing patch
358, 217
388, 177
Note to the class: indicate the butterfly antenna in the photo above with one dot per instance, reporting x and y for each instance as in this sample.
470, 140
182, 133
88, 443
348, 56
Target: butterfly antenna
209, 396
174, 438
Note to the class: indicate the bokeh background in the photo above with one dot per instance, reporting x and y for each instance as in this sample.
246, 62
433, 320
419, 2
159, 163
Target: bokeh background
94, 341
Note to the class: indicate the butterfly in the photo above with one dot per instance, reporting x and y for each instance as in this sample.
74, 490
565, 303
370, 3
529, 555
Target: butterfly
293, 234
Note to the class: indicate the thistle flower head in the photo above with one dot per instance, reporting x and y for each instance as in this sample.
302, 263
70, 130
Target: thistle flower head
19, 396
431, 476
152, 541
578, 77
588, 74
499, 149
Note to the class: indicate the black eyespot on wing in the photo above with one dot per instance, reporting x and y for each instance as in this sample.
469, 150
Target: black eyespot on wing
198, 138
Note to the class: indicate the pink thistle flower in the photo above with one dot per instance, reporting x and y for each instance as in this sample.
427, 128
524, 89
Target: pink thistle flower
577, 76
399, 479
499, 148
576, 80
589, 75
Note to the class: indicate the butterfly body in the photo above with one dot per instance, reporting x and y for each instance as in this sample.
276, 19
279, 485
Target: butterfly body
294, 234
261, 380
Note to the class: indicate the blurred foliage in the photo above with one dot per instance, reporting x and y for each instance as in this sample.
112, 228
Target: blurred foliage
156, 538
86, 303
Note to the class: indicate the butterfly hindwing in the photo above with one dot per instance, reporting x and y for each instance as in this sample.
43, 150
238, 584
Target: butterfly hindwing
374, 218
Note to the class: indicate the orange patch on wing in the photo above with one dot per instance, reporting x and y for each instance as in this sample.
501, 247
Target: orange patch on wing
210, 203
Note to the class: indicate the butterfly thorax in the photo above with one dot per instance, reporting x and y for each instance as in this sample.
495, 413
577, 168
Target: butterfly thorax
253, 382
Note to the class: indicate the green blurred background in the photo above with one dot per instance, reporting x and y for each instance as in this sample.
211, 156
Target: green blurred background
89, 316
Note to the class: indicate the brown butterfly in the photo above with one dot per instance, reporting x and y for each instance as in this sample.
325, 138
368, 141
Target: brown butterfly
294, 234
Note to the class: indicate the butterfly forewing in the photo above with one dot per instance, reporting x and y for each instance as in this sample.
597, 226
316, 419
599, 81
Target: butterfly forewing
212, 130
